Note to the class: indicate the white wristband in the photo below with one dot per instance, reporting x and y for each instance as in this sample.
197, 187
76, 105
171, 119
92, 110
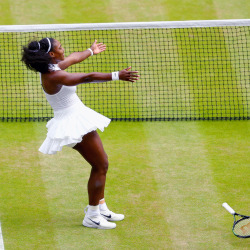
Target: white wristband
91, 51
115, 76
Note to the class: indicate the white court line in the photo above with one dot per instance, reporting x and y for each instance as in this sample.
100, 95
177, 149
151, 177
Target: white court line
1, 239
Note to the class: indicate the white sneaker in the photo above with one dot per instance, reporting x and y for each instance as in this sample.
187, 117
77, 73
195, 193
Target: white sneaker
97, 222
110, 216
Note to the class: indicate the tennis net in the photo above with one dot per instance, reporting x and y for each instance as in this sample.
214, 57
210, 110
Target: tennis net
191, 70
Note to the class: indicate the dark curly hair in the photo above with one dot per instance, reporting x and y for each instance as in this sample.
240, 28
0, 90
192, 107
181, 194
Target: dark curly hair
36, 55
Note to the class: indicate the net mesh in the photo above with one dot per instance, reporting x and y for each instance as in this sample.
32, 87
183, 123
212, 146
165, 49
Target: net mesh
186, 74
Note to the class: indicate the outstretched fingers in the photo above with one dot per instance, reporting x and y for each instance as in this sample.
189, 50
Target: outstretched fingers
101, 46
98, 47
127, 75
128, 68
132, 76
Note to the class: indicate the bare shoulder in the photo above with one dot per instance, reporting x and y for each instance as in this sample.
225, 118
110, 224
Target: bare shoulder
67, 62
52, 82
62, 77
55, 76
63, 64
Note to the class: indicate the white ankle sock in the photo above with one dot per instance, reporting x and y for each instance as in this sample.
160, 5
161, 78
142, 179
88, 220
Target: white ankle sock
93, 210
103, 206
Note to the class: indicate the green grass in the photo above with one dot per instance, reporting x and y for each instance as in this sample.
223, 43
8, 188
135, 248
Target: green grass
168, 178
75, 11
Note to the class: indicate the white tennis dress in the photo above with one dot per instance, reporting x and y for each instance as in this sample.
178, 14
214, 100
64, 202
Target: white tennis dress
72, 119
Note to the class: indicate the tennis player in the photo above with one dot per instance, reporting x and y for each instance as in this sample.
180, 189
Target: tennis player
74, 125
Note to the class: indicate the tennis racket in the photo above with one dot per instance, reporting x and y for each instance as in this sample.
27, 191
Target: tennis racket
241, 226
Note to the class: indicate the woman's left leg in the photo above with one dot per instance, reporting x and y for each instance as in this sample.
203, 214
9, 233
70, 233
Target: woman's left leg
92, 150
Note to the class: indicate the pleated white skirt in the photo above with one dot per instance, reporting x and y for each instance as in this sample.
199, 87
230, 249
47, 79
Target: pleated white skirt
69, 125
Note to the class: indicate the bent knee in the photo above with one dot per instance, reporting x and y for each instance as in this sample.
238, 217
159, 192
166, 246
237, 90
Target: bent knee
106, 166
101, 167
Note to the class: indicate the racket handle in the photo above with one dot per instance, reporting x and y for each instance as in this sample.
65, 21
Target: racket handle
228, 208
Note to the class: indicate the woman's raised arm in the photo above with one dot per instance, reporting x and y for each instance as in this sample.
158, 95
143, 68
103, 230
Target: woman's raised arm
78, 57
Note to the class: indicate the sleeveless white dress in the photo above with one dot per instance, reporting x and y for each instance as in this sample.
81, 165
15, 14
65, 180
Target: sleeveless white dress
72, 119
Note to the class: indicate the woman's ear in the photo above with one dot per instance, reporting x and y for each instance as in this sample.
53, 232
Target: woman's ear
52, 54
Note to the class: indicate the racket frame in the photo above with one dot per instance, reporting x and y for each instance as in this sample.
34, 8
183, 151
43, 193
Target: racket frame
237, 221
231, 211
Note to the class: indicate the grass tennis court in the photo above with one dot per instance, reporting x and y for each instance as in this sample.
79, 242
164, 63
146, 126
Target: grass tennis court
168, 178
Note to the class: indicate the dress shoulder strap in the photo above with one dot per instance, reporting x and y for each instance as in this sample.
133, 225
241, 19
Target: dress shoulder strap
54, 67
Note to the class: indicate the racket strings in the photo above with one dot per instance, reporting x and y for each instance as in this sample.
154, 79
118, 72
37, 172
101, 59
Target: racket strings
242, 227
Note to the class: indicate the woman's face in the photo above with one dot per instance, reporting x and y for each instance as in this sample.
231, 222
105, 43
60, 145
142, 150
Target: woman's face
58, 51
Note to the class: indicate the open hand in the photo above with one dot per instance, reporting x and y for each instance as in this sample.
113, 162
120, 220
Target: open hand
98, 47
130, 76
